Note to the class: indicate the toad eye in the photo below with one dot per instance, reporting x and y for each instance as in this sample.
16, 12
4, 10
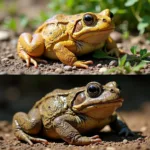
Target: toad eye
88, 19
94, 90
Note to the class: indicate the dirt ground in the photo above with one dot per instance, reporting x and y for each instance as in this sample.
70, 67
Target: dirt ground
138, 121
10, 63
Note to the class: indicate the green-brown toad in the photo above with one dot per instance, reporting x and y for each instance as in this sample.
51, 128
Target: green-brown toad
71, 114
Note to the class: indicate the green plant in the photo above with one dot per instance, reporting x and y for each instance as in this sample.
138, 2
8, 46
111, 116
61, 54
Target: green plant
138, 61
10, 23
143, 54
124, 67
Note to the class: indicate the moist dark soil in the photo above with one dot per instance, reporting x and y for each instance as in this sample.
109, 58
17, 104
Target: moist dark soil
138, 121
10, 63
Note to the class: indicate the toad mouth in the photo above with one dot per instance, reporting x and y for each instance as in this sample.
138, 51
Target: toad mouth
100, 104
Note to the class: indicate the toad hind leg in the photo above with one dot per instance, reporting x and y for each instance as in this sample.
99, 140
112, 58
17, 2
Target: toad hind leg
30, 46
65, 51
64, 126
24, 124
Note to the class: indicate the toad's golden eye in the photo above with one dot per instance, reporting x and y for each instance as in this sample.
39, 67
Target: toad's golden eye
88, 19
94, 90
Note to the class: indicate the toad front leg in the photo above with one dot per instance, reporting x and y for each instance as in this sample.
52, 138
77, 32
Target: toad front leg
30, 47
65, 127
119, 126
24, 124
112, 48
65, 51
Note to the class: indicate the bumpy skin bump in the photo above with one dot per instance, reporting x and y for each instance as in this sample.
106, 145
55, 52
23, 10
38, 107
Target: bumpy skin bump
70, 115
64, 38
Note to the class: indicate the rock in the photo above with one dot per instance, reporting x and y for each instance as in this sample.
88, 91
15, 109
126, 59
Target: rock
102, 70
110, 148
37, 72
116, 36
3, 73
4, 35
48, 148
74, 68
59, 70
125, 141
143, 129
10, 56
4, 60
113, 63
99, 65
120, 45
67, 68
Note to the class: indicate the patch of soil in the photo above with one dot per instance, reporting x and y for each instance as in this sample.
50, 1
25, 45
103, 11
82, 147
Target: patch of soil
138, 121
10, 63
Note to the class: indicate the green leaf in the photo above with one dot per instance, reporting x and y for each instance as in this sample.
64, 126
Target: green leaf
130, 3
141, 26
121, 11
133, 50
101, 54
143, 52
122, 61
10, 24
128, 67
141, 65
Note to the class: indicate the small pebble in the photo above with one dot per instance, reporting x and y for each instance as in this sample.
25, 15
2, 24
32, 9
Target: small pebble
99, 65
37, 72
10, 56
59, 70
139, 139
102, 70
143, 129
4, 60
3, 73
93, 146
125, 141
74, 68
119, 45
4, 35
41, 65
110, 148
67, 68
113, 63
48, 148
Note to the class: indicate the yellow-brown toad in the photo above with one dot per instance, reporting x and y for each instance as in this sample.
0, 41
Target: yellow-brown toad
65, 37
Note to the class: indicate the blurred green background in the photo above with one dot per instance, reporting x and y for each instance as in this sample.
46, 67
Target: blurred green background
19, 93
131, 16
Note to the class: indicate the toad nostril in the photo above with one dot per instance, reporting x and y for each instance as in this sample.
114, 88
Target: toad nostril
104, 20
